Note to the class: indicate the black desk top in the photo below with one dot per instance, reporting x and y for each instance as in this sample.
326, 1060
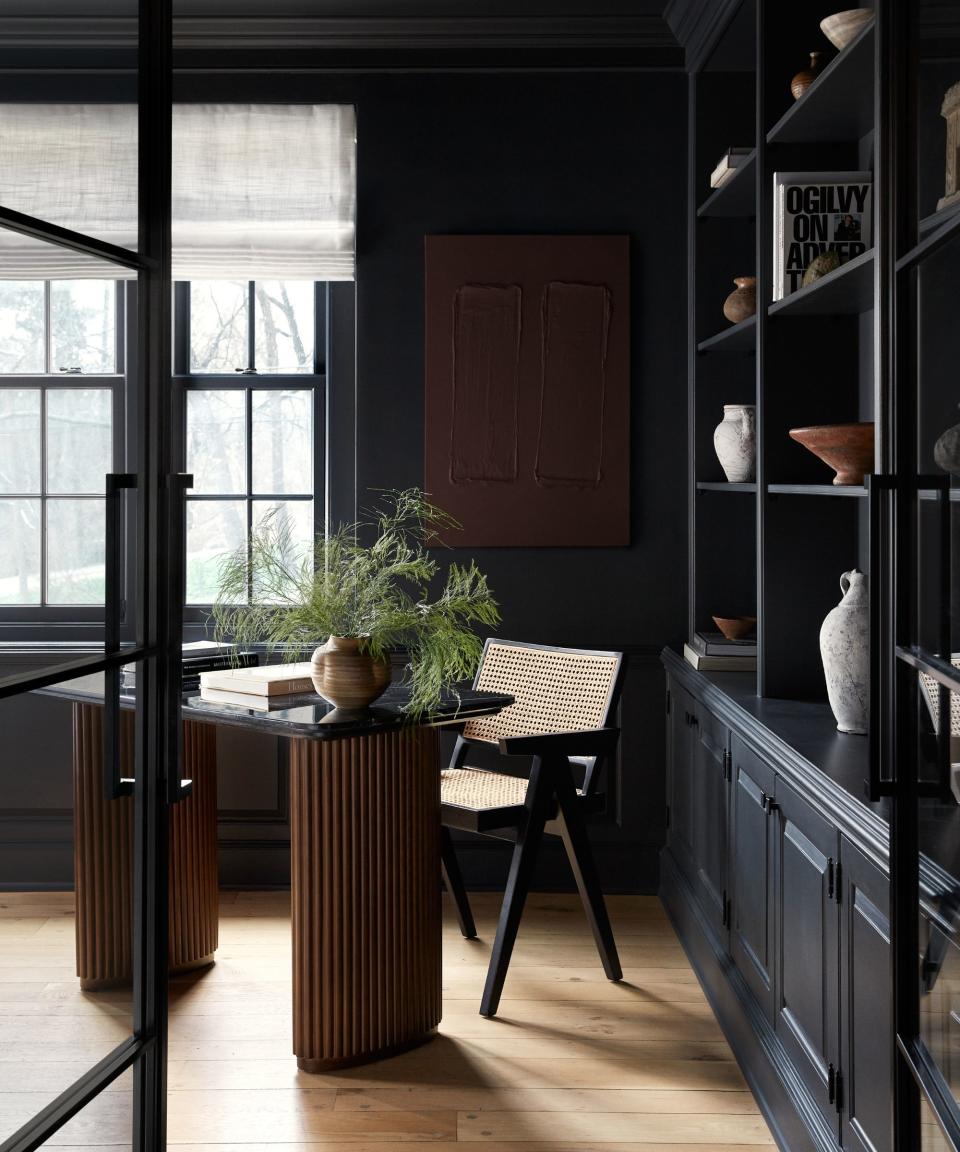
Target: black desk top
305, 714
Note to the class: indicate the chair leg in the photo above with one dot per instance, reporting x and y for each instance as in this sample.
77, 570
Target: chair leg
580, 854
539, 794
453, 880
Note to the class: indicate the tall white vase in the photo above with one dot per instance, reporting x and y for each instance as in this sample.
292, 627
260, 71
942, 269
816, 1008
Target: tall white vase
845, 649
735, 442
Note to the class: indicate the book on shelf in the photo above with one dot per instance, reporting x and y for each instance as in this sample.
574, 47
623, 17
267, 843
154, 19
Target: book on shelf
705, 663
716, 644
814, 213
248, 699
731, 160
265, 680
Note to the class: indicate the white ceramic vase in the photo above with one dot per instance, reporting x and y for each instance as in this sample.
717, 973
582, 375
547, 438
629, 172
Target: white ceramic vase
735, 442
845, 650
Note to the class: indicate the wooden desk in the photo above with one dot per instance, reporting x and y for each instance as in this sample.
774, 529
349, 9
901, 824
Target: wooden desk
365, 863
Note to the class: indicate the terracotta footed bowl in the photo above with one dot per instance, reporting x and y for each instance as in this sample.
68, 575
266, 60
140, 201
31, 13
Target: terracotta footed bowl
847, 448
735, 627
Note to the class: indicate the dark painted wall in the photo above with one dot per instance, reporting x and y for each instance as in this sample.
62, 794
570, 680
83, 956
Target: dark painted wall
514, 153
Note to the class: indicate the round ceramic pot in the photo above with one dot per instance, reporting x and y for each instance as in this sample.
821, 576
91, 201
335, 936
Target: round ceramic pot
845, 650
946, 451
802, 81
735, 442
742, 301
346, 677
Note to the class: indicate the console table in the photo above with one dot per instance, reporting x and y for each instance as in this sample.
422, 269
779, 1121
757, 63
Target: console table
365, 861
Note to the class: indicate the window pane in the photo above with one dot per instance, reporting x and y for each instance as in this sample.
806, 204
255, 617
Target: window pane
296, 517
20, 440
283, 442
79, 439
284, 325
75, 551
21, 326
218, 326
216, 441
19, 551
83, 325
214, 528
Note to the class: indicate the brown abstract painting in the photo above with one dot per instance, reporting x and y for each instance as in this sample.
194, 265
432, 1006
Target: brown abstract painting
527, 403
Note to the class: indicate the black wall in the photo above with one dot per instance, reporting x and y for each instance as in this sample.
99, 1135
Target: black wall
520, 153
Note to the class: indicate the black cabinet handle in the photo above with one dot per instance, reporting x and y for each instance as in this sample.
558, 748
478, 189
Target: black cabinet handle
115, 484
177, 788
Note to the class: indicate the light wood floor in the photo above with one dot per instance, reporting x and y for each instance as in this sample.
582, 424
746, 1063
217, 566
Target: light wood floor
573, 1063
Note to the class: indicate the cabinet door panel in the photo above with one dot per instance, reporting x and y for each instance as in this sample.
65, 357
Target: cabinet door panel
867, 1026
680, 734
710, 806
807, 957
751, 939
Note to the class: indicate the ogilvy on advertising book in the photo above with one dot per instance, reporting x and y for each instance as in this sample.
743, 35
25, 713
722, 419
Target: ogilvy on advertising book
814, 213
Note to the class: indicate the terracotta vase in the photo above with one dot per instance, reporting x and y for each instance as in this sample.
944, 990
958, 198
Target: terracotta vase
802, 81
735, 442
346, 677
742, 301
845, 651
946, 451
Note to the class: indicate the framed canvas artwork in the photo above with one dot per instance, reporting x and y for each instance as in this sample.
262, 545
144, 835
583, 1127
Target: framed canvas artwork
527, 397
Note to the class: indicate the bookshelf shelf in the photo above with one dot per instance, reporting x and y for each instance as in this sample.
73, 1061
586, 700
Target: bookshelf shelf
848, 290
736, 198
839, 103
854, 490
723, 486
737, 338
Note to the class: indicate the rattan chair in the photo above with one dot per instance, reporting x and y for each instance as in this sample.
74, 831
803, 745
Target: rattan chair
564, 698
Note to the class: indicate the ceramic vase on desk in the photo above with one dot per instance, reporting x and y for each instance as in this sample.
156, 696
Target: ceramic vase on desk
735, 442
344, 676
845, 650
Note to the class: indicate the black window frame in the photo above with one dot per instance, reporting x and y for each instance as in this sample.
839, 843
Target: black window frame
248, 380
80, 621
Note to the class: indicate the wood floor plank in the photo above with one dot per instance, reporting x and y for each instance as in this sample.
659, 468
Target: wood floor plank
612, 1127
462, 1099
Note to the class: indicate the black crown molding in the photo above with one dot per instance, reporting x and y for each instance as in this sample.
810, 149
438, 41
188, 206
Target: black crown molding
327, 41
696, 25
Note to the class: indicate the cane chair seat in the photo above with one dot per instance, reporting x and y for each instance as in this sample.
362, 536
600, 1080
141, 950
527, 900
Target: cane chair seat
479, 790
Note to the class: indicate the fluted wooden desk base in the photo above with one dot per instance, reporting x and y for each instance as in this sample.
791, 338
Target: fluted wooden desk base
365, 861
103, 855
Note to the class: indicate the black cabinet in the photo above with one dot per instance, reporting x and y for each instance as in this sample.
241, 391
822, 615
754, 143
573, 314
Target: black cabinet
866, 1023
774, 875
710, 778
680, 738
751, 881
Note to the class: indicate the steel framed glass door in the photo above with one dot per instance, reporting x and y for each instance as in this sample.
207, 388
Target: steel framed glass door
145, 500
918, 618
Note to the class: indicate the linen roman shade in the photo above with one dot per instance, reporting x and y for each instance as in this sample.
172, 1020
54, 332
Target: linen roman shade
260, 191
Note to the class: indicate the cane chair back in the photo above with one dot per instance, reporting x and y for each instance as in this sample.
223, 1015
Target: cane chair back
931, 693
555, 690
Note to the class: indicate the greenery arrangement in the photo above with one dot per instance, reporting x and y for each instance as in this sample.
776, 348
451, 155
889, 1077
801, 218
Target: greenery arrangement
378, 592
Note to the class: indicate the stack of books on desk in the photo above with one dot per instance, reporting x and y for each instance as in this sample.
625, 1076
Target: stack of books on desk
713, 652
255, 687
198, 657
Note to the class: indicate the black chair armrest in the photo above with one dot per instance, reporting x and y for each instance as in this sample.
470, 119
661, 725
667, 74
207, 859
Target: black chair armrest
590, 742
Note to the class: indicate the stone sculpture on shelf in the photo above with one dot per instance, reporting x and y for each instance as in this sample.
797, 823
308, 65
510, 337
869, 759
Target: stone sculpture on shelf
946, 451
845, 650
950, 111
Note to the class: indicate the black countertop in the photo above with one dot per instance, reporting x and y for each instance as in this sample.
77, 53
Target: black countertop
305, 714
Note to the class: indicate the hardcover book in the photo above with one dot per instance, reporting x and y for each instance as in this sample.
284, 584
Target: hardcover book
716, 644
718, 663
271, 680
817, 212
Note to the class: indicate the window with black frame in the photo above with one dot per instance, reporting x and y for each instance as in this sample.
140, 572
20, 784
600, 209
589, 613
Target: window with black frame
251, 358
61, 425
